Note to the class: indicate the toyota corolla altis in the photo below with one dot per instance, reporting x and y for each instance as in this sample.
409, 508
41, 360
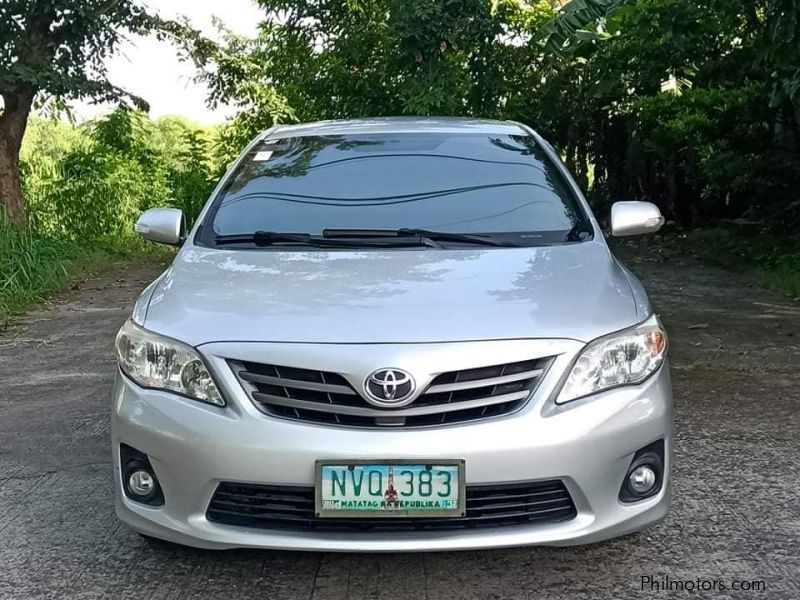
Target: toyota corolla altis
393, 335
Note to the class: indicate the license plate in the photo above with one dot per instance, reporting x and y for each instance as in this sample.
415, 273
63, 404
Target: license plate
390, 488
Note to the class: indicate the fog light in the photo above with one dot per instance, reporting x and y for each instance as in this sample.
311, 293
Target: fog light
138, 478
642, 479
645, 475
141, 483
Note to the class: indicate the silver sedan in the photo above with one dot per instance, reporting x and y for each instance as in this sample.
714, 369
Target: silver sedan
393, 335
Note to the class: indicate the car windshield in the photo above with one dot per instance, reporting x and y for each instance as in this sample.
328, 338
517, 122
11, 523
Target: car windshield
500, 186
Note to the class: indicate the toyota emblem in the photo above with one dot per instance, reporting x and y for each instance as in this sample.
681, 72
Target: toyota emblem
389, 387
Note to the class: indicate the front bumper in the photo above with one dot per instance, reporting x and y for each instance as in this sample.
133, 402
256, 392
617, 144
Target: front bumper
587, 444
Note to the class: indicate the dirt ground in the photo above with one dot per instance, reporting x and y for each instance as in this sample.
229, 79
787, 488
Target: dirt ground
735, 516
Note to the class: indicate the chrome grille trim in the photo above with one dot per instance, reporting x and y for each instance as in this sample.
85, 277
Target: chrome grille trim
329, 398
399, 412
465, 385
294, 383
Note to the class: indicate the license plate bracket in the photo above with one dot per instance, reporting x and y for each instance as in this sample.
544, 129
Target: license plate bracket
359, 488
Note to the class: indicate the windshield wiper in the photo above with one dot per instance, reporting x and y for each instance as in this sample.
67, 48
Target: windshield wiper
434, 236
270, 238
263, 238
467, 238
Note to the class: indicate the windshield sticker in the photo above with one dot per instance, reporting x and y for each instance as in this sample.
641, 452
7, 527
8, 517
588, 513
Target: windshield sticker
262, 156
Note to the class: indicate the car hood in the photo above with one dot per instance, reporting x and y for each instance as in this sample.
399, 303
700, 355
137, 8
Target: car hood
575, 291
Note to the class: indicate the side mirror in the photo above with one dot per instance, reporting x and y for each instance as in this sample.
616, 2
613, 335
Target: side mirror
635, 218
162, 225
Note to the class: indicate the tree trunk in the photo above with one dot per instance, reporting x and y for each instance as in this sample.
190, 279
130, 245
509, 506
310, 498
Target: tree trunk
13, 121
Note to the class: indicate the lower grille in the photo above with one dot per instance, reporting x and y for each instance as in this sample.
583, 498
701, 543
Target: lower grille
292, 508
452, 397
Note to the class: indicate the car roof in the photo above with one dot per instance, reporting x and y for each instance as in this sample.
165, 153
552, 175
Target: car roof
397, 125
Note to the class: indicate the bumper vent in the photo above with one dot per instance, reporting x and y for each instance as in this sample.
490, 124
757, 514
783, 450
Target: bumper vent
452, 397
292, 508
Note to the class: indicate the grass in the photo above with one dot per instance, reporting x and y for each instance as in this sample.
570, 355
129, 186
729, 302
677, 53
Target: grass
31, 268
773, 261
34, 267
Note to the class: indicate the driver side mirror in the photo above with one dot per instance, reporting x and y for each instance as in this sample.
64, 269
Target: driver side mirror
162, 225
635, 218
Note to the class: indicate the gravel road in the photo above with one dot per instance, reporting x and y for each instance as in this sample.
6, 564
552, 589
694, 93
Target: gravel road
735, 516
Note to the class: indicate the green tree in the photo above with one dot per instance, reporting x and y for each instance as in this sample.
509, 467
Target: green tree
326, 59
720, 140
54, 48
694, 105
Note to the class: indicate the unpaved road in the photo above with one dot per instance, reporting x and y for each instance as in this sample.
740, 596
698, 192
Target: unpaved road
736, 511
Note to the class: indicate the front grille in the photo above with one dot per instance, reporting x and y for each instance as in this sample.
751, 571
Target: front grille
452, 397
292, 508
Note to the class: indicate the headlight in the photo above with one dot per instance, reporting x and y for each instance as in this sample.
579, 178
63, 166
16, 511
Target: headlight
627, 357
155, 361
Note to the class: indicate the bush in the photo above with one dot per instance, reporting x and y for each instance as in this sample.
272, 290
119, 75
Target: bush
92, 187
718, 145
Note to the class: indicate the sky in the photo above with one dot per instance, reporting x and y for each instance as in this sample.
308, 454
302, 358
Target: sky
151, 69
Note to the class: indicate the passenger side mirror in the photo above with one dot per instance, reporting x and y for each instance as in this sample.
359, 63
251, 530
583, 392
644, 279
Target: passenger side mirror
162, 225
635, 218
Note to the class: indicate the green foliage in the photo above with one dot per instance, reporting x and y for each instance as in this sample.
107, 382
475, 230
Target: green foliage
58, 46
579, 21
92, 186
359, 58
716, 143
192, 177
723, 142
31, 267
781, 50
